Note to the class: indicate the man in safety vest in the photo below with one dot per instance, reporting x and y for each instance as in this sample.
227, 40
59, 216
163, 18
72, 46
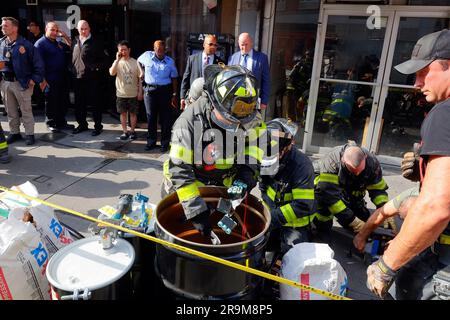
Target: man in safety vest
209, 144
342, 178
287, 186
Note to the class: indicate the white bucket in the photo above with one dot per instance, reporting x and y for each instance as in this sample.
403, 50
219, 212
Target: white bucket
84, 270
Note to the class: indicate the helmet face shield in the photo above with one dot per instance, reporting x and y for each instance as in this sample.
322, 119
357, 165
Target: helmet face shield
236, 94
243, 107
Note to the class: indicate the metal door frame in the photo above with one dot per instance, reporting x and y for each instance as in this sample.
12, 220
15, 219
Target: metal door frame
393, 14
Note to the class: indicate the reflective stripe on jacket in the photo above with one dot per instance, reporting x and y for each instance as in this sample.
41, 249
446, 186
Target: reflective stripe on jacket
290, 194
333, 186
186, 169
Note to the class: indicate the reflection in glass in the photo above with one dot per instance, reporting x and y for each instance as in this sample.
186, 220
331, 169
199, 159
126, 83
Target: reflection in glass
410, 30
294, 38
403, 114
342, 113
429, 2
351, 51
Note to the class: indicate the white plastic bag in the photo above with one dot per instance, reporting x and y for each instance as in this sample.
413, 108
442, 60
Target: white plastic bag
53, 234
312, 264
25, 247
23, 260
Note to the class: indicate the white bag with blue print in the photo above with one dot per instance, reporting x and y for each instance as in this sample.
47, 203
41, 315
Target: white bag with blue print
312, 264
23, 260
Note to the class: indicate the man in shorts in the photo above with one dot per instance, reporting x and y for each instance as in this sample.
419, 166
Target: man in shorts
128, 88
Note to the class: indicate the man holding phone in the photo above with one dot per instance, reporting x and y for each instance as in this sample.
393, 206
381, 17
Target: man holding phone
129, 76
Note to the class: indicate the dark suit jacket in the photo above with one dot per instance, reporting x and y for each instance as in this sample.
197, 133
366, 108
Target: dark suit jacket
193, 71
260, 70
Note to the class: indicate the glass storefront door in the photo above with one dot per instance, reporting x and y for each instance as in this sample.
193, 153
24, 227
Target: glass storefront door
402, 107
355, 93
348, 68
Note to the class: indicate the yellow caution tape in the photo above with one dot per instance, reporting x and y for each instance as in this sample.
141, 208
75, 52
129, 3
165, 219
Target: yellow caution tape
187, 250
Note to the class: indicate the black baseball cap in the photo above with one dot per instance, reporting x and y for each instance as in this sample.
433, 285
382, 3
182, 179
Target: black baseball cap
430, 47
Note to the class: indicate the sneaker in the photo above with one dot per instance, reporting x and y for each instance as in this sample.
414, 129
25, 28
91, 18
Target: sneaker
5, 158
124, 136
133, 136
164, 149
29, 139
13, 138
53, 128
79, 129
96, 132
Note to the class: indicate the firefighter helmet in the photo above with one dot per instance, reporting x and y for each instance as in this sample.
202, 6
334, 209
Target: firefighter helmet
232, 90
284, 129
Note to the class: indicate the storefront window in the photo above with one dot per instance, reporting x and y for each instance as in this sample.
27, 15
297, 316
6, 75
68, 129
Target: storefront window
349, 72
429, 2
173, 21
57, 1
294, 39
405, 108
96, 2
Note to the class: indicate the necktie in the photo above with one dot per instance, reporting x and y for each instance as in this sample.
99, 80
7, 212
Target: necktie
205, 63
244, 60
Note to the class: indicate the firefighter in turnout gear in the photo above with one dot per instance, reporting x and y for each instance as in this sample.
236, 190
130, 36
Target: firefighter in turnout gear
205, 146
342, 178
287, 186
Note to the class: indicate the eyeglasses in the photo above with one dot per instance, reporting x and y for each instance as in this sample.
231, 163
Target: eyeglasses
212, 44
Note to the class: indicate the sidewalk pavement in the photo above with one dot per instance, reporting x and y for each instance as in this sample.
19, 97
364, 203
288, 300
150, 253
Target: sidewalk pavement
84, 173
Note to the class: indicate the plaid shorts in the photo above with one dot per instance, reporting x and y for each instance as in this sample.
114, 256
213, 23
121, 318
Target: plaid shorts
127, 105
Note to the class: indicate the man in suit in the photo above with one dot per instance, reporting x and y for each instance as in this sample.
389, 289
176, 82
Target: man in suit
255, 61
196, 63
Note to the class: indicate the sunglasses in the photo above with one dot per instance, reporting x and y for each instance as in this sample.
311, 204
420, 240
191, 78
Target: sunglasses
212, 44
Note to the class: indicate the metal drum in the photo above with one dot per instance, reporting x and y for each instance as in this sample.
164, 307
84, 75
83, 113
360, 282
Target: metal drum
196, 278
84, 270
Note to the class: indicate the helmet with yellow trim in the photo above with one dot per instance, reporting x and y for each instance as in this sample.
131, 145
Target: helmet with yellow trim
233, 92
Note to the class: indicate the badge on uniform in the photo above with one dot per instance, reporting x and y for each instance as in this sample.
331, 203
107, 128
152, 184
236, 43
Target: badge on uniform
22, 50
8, 54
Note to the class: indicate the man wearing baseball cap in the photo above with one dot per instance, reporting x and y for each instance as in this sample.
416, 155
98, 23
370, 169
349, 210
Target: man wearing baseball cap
418, 259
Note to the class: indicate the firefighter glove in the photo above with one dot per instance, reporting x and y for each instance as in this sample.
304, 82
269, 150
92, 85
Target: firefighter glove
201, 223
389, 223
237, 190
357, 224
379, 277
410, 164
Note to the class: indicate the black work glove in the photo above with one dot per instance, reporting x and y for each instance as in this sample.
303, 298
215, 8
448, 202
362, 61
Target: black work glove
410, 164
201, 223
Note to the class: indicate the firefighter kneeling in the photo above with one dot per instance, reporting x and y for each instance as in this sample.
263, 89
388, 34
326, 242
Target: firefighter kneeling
205, 142
342, 178
287, 186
